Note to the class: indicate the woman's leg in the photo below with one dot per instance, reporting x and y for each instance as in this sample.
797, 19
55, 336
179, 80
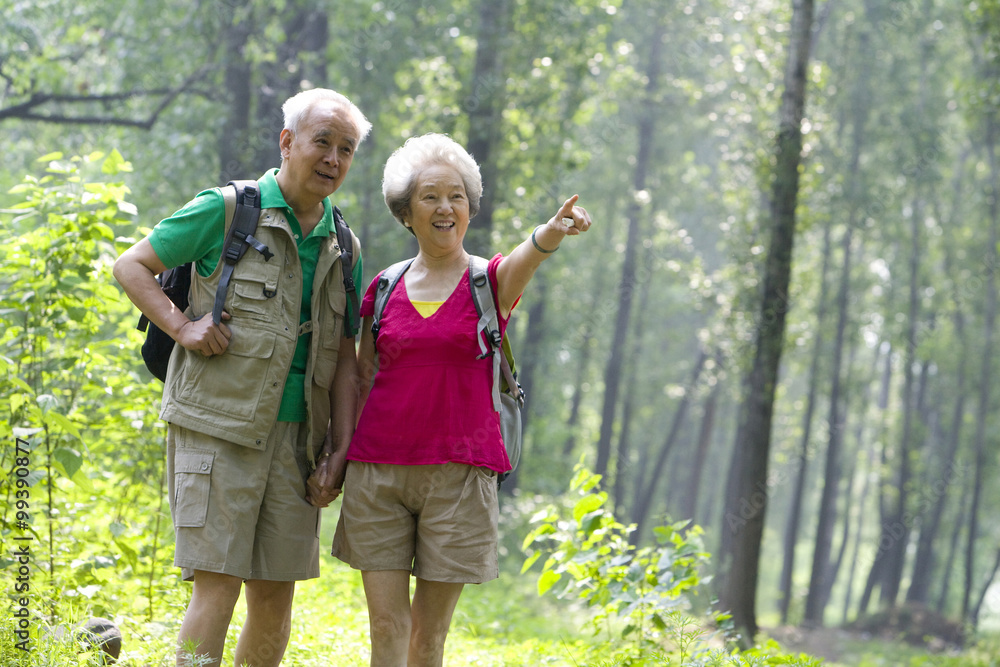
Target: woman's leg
433, 605
388, 596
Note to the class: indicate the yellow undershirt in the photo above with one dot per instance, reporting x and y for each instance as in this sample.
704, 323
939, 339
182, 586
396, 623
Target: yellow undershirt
426, 308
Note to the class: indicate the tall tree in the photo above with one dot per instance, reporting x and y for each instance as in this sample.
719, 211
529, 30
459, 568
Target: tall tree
815, 599
989, 71
640, 513
791, 536
746, 487
650, 114
689, 499
484, 102
941, 476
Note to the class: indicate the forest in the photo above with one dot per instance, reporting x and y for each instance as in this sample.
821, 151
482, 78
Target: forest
760, 421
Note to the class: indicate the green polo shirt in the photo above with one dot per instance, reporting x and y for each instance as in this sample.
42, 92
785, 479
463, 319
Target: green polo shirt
196, 233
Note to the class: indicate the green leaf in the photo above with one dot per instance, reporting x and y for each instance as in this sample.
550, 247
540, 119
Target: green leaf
115, 163
63, 422
547, 581
50, 156
18, 382
131, 555
69, 460
530, 561
588, 504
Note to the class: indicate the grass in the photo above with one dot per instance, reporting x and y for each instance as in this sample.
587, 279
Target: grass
503, 623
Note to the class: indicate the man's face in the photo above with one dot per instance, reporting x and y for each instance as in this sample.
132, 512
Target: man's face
317, 157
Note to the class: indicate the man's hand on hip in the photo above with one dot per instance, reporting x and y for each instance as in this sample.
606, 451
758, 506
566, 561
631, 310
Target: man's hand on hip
203, 335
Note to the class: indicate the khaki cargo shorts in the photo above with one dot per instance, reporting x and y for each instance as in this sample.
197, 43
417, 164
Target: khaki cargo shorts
437, 521
242, 511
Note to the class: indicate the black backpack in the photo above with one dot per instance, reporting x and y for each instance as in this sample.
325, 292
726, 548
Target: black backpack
176, 282
508, 396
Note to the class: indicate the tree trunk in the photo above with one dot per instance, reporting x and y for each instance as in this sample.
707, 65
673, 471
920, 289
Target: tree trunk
830, 577
298, 61
795, 510
529, 360
234, 158
953, 547
816, 600
923, 567
641, 512
530, 350
875, 573
746, 487
586, 352
689, 502
485, 97
895, 554
986, 375
974, 618
865, 490
650, 113
923, 182
623, 465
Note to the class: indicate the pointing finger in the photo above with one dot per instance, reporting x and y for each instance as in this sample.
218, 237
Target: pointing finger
567, 208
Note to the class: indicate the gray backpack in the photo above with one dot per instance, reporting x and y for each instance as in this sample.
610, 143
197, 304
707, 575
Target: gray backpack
508, 396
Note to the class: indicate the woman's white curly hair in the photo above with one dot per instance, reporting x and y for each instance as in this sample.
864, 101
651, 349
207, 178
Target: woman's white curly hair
405, 164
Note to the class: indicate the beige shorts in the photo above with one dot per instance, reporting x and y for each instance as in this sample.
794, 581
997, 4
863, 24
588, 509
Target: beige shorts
437, 521
242, 511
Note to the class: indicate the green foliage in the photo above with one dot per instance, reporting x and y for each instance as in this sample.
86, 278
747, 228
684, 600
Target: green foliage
79, 417
640, 595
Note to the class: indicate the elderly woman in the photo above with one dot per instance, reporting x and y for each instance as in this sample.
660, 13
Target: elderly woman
420, 494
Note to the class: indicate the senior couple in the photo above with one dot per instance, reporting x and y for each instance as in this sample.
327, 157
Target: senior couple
266, 422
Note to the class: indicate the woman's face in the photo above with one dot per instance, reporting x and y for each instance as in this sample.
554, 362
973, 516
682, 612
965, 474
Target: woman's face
439, 209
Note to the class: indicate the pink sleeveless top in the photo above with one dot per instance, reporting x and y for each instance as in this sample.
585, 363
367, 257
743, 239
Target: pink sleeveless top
431, 401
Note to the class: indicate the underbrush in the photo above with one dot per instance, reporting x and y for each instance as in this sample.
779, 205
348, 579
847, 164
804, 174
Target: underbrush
583, 597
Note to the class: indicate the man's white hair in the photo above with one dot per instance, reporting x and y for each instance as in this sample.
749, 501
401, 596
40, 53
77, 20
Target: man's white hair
297, 107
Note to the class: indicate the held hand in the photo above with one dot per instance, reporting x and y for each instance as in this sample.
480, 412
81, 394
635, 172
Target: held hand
572, 220
324, 484
203, 335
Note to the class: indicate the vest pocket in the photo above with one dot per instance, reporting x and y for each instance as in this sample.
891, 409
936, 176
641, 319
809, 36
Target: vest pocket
333, 329
252, 299
192, 484
231, 383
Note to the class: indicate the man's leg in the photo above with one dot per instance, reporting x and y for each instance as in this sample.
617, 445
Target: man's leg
388, 596
269, 621
433, 605
207, 618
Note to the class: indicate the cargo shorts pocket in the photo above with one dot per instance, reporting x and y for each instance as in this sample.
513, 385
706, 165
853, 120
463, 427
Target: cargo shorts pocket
192, 483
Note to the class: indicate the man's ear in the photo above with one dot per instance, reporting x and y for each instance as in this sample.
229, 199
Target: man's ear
285, 142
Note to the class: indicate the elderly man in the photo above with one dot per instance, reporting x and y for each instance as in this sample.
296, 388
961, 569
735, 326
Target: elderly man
261, 406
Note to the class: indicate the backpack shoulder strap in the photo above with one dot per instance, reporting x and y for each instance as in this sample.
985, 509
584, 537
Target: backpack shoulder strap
488, 331
486, 309
345, 239
386, 283
244, 202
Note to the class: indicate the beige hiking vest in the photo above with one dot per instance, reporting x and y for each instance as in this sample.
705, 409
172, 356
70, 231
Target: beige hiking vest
236, 395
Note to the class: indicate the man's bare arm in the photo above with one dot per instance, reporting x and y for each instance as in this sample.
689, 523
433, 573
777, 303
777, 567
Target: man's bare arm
136, 272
